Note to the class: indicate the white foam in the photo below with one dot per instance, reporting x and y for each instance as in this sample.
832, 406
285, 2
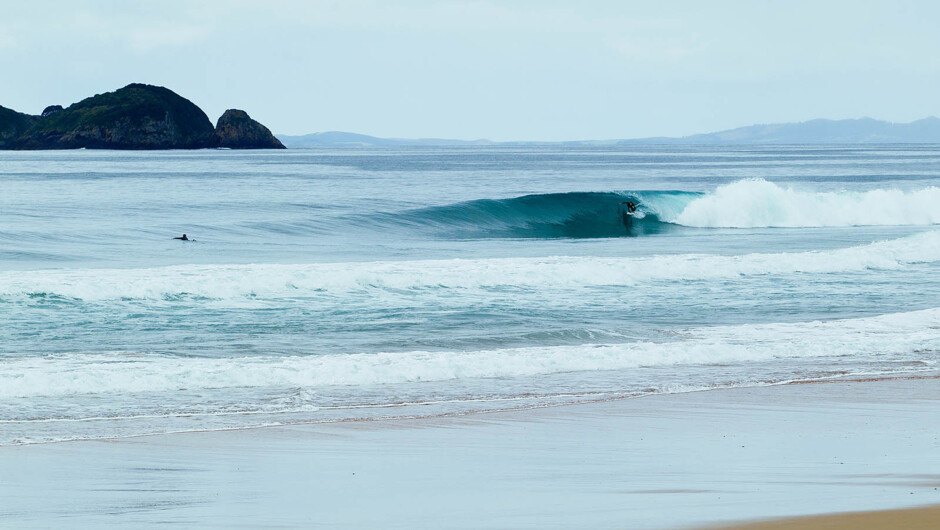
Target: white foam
79, 374
264, 281
757, 203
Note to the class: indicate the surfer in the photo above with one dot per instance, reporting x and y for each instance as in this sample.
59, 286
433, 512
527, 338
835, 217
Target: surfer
627, 210
184, 238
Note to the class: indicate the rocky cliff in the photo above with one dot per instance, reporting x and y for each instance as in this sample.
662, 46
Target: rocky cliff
236, 130
134, 117
13, 125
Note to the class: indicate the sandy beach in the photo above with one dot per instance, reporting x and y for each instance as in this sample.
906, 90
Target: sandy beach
664, 461
909, 519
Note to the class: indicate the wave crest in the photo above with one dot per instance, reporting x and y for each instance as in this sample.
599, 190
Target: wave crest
757, 203
77, 374
237, 283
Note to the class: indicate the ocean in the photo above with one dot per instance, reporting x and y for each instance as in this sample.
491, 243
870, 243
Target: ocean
361, 283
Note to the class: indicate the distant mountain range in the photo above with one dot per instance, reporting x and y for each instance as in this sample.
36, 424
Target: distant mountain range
337, 138
861, 131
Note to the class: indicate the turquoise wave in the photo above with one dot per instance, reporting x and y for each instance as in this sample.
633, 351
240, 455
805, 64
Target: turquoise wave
549, 215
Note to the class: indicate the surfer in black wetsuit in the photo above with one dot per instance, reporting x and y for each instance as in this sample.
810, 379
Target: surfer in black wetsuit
626, 213
184, 238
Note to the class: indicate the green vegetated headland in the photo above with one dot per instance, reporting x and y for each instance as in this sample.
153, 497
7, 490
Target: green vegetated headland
137, 116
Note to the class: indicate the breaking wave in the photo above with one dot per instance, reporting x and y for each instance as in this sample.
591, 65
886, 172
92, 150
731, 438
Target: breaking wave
275, 281
758, 203
750, 203
915, 333
551, 215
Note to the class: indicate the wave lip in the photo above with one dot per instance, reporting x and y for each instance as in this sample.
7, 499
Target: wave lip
243, 283
756, 203
913, 333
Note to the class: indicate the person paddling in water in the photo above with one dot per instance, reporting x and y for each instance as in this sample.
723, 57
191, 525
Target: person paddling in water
184, 238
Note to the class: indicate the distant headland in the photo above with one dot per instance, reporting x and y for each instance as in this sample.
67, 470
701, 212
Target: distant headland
814, 132
137, 116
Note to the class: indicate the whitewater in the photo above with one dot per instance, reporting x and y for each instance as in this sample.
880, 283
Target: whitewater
362, 283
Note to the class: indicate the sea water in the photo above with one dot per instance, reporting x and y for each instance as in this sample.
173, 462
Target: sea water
362, 283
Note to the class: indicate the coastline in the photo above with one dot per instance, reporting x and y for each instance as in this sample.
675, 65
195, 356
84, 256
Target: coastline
660, 461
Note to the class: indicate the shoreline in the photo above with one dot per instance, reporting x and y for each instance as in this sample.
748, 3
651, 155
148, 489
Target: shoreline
657, 461
921, 518
901, 376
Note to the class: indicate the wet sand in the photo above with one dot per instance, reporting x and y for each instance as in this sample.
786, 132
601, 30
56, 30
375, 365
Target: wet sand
668, 461
911, 519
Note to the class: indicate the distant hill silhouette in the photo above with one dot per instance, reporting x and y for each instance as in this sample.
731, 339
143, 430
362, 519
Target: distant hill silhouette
860, 131
337, 139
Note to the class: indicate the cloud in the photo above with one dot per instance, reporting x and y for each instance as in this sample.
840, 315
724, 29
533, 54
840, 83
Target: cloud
29, 27
657, 49
7, 40
147, 39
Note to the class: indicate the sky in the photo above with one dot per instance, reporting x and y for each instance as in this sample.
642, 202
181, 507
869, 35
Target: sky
513, 70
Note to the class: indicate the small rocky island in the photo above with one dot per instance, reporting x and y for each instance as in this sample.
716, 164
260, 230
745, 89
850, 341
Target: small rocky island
137, 116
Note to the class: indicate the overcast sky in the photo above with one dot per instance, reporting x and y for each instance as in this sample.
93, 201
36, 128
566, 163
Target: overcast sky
536, 70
